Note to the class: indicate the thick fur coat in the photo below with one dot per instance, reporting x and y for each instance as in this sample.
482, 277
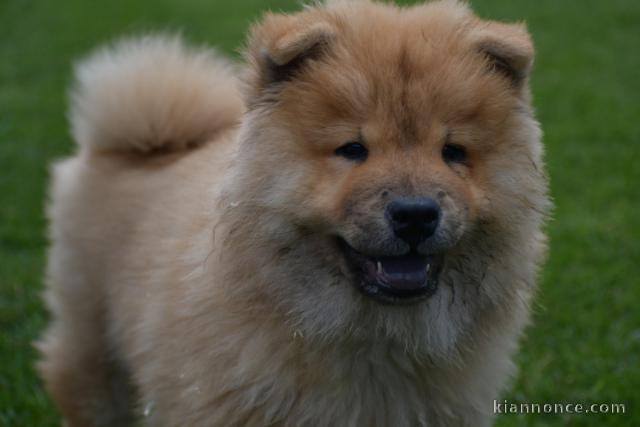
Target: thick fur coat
194, 277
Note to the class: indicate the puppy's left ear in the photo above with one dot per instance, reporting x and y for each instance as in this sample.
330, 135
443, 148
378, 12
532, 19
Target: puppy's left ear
281, 46
508, 49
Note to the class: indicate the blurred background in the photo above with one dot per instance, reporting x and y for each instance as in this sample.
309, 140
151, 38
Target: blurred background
584, 344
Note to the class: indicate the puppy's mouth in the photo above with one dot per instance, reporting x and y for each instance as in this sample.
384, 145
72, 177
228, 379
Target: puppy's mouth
394, 279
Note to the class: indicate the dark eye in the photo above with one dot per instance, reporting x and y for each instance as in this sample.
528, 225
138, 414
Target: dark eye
453, 153
354, 151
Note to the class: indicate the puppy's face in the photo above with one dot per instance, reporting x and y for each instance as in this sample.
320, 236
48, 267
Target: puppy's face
395, 141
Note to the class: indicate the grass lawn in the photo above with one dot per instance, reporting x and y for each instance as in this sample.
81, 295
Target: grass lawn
585, 344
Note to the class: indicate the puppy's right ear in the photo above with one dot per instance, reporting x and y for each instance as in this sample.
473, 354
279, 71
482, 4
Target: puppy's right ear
508, 49
281, 47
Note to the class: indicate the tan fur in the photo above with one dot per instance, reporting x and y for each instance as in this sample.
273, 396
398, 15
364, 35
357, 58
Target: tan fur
193, 276
152, 93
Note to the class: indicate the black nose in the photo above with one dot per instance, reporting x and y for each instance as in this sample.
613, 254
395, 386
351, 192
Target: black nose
414, 220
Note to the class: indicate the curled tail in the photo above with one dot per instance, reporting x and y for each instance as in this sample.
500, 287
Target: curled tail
152, 93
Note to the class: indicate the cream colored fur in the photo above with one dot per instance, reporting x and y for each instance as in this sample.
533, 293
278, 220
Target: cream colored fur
183, 294
151, 93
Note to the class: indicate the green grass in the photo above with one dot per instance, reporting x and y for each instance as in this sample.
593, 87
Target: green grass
585, 342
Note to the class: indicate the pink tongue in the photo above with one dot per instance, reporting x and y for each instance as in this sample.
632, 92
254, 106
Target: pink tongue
404, 272
403, 264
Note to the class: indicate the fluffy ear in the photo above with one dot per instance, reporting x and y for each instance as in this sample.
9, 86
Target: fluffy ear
508, 49
282, 45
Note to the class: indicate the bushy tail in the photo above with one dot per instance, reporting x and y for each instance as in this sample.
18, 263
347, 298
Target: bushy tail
152, 93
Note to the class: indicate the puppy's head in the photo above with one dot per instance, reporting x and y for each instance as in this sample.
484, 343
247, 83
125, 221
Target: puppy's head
393, 167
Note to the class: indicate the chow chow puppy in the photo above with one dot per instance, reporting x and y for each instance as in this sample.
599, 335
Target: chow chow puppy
349, 237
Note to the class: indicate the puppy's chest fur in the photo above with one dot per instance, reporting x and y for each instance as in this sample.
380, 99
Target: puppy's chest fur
286, 384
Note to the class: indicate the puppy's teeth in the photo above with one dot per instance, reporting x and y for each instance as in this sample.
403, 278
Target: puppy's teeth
379, 264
